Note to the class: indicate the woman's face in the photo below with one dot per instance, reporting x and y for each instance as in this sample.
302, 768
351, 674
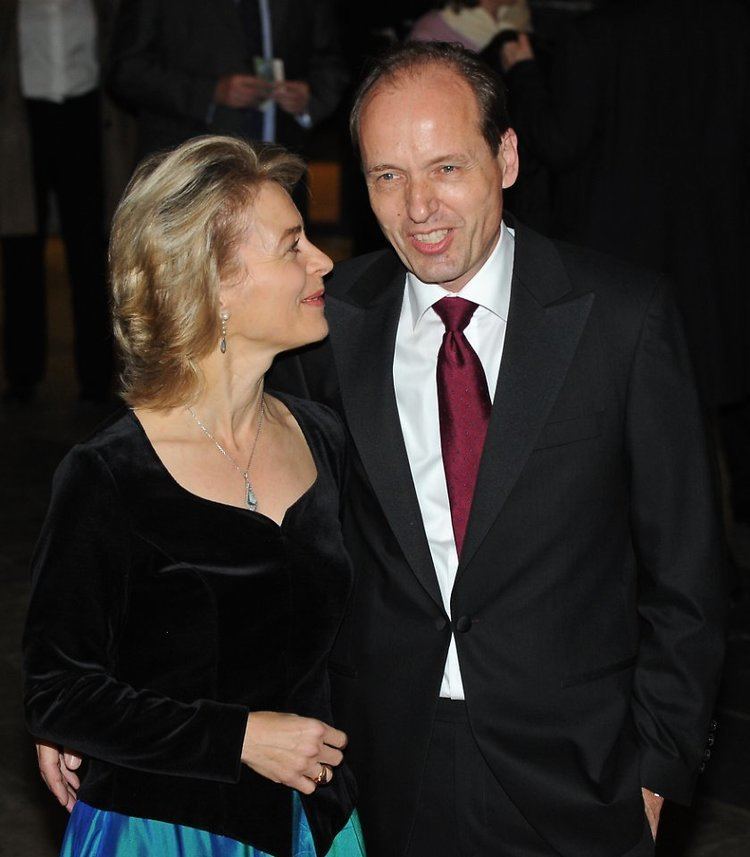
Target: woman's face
277, 301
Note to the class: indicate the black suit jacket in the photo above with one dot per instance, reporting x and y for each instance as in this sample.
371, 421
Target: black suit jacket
589, 600
167, 55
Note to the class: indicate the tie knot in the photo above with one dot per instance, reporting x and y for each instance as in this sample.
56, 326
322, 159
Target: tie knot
455, 313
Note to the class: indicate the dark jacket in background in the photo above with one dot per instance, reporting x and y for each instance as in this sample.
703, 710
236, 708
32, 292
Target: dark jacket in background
167, 56
647, 127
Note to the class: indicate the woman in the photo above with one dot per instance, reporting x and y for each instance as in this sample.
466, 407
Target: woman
472, 23
190, 576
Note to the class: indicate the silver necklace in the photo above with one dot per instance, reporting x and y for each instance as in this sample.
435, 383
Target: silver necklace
250, 498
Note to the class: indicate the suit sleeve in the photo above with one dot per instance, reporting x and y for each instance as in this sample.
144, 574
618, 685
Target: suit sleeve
136, 70
682, 589
328, 76
78, 605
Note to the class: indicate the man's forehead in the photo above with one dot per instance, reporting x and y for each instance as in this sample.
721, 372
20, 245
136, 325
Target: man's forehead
418, 77
433, 105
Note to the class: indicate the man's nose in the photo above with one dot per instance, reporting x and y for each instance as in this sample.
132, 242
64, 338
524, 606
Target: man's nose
421, 202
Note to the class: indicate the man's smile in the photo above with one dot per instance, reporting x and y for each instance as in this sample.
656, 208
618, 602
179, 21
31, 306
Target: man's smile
433, 242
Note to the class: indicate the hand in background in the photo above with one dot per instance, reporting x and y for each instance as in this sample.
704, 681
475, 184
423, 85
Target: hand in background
653, 804
241, 91
58, 772
289, 749
293, 96
516, 51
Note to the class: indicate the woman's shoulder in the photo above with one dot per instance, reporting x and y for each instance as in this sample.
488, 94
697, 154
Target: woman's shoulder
111, 444
322, 426
313, 415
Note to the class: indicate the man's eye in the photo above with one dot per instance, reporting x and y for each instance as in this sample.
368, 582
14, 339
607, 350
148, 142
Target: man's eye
386, 177
295, 247
447, 168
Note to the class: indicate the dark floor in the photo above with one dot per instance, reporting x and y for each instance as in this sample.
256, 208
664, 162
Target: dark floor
34, 438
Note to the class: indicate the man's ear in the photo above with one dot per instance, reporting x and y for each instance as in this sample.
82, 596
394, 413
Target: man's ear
507, 156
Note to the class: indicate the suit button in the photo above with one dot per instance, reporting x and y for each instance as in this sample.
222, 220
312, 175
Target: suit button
463, 624
440, 623
701, 767
714, 726
710, 740
706, 754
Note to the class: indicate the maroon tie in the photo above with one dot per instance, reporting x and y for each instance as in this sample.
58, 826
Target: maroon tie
464, 406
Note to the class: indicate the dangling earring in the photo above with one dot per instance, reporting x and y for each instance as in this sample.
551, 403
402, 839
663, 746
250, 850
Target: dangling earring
224, 316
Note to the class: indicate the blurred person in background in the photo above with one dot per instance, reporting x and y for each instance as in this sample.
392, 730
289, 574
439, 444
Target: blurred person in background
53, 127
188, 67
472, 23
646, 127
190, 577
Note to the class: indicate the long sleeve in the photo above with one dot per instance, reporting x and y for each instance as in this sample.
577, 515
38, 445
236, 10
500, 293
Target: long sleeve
682, 596
79, 602
139, 73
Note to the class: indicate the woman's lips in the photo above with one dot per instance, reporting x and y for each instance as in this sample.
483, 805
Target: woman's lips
316, 299
433, 242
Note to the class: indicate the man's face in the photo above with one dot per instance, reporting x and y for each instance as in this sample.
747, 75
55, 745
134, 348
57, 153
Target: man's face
434, 184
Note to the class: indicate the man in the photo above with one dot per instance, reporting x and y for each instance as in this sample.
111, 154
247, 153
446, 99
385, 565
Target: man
188, 68
521, 673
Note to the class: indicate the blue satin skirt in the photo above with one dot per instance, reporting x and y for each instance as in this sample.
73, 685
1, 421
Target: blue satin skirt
99, 833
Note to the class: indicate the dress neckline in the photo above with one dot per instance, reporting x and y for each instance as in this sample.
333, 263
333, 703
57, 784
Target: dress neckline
164, 470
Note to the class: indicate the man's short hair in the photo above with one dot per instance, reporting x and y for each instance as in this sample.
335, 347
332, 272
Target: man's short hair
413, 57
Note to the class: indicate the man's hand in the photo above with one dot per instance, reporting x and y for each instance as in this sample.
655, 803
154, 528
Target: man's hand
241, 91
58, 772
516, 51
293, 96
289, 749
653, 804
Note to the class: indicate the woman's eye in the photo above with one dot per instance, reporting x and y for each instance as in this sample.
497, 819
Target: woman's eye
295, 247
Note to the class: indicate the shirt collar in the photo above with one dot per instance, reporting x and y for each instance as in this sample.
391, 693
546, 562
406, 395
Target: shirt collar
489, 287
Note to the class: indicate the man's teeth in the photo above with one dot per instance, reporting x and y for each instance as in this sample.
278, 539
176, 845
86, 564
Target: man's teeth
431, 237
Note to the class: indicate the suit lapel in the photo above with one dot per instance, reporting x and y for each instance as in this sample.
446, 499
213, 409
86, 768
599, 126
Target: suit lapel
363, 336
541, 340
279, 26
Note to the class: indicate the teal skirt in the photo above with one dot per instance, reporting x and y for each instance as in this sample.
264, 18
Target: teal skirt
100, 833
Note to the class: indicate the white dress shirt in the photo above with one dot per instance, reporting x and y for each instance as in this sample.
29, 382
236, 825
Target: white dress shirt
58, 47
418, 340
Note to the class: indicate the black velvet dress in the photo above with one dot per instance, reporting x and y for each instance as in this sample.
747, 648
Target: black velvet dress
158, 620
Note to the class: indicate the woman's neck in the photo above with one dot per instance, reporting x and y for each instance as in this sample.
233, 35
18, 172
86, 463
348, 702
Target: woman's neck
230, 400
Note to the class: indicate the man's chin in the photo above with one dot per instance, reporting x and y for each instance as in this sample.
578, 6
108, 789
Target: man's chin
433, 273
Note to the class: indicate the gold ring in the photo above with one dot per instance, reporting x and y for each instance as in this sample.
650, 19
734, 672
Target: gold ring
324, 775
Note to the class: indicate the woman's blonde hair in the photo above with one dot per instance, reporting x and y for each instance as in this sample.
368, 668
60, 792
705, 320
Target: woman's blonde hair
174, 240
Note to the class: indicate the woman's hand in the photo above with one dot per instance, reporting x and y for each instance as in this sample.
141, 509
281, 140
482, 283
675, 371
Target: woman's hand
289, 749
58, 768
